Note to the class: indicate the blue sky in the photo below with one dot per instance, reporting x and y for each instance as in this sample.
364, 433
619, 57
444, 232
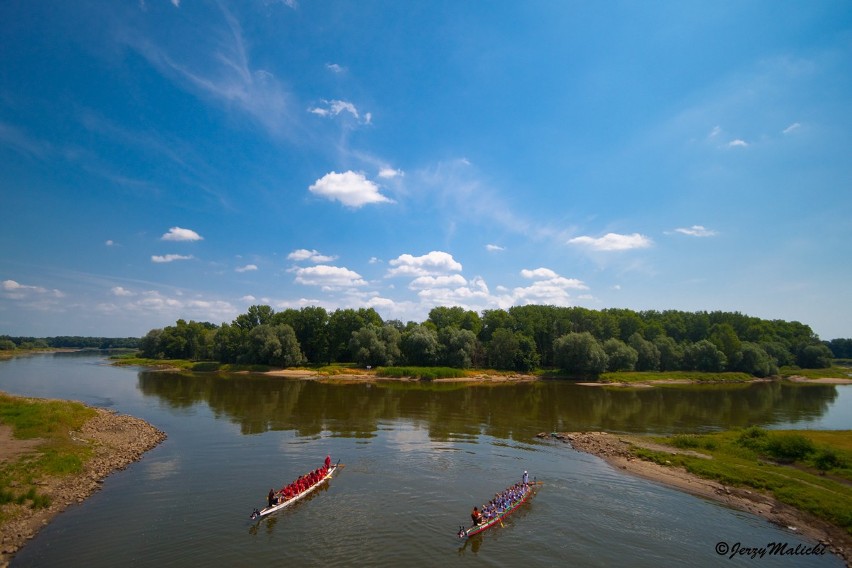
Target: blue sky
178, 159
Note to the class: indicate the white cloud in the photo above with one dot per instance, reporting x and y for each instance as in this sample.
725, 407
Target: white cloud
494, 248
312, 255
430, 264
613, 242
350, 188
549, 288
119, 291
738, 143
696, 231
388, 173
715, 132
793, 127
246, 268
16, 291
334, 108
426, 282
334, 67
329, 277
178, 234
248, 298
169, 258
539, 273
110, 243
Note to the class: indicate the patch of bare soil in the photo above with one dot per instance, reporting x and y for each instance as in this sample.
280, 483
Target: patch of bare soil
617, 451
118, 440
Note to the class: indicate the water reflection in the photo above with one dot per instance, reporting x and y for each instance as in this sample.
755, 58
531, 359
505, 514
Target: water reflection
453, 412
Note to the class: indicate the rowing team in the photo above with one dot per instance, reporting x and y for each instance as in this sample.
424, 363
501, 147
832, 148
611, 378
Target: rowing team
300, 485
500, 503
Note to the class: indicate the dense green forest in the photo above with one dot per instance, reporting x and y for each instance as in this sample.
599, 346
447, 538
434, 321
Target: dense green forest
70, 342
523, 338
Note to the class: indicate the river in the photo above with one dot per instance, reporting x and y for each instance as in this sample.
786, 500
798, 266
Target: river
417, 458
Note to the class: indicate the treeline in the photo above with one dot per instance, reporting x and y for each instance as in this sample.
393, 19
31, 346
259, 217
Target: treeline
69, 342
840, 348
523, 338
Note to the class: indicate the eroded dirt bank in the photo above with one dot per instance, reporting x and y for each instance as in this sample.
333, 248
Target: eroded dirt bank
118, 440
617, 451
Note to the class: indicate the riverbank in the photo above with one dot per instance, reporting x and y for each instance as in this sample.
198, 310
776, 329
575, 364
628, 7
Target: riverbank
622, 452
114, 442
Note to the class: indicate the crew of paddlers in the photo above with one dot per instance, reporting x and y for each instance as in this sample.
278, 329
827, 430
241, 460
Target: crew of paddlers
499, 504
298, 486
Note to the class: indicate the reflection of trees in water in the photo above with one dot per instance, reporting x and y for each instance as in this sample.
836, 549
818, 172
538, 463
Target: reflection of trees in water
453, 412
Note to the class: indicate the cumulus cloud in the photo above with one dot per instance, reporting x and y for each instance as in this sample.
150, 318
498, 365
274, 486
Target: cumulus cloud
328, 277
350, 188
738, 143
311, 255
110, 243
334, 67
430, 264
119, 291
169, 258
613, 242
494, 248
548, 288
246, 268
696, 231
179, 234
426, 282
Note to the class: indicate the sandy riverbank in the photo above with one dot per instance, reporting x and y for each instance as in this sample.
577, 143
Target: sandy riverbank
118, 440
616, 450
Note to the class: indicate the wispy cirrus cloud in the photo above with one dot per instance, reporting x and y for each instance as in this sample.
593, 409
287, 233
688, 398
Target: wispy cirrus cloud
696, 231
16, 291
613, 242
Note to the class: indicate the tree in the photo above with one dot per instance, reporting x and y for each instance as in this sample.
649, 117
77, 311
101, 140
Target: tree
150, 344
814, 357
444, 317
458, 347
255, 316
704, 356
375, 346
755, 361
671, 354
619, 355
420, 346
579, 353
230, 344
648, 354
725, 338
341, 324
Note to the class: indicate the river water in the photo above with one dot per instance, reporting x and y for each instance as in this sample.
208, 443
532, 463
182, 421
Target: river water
417, 458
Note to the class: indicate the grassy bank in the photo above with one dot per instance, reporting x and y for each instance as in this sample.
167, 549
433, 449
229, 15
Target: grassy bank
422, 373
809, 470
686, 376
51, 424
836, 372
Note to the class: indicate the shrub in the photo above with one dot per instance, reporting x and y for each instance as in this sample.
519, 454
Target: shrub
789, 447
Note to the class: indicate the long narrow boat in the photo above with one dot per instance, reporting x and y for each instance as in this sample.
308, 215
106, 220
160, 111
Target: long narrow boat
284, 504
498, 518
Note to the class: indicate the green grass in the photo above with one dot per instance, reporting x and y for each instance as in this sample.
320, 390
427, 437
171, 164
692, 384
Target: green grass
809, 470
694, 376
422, 373
58, 454
831, 373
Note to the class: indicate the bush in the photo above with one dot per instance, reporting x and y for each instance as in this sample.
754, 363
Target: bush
789, 447
827, 459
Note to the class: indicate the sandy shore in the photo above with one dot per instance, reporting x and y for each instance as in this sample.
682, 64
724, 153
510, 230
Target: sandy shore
118, 440
616, 450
